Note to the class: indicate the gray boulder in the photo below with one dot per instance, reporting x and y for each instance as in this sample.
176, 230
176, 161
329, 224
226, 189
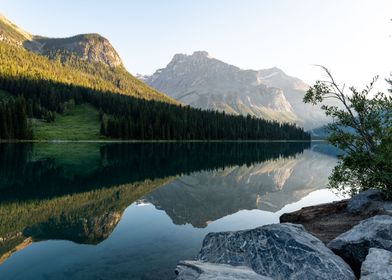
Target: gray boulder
353, 245
279, 251
189, 270
370, 200
377, 265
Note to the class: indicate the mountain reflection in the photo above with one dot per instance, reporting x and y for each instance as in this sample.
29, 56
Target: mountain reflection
203, 197
78, 191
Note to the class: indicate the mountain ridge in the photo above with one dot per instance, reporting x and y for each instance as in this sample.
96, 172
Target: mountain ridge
90, 47
204, 82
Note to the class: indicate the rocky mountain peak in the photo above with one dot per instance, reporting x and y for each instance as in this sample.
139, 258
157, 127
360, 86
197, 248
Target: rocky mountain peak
89, 47
201, 54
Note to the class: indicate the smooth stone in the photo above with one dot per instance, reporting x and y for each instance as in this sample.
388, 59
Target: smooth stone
279, 251
370, 200
377, 265
353, 245
189, 270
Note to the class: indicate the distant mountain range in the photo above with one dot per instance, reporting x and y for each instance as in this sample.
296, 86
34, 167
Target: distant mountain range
202, 81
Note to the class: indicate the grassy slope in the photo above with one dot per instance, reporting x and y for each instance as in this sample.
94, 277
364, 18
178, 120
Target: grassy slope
80, 123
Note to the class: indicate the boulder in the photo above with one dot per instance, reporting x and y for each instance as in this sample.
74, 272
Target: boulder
189, 270
377, 265
279, 251
370, 200
353, 245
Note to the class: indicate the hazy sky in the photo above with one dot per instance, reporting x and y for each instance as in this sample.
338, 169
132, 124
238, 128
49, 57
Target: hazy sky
351, 37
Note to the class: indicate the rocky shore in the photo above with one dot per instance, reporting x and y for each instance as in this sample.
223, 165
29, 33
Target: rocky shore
348, 239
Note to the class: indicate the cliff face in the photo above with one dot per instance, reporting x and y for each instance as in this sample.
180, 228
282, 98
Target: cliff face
88, 47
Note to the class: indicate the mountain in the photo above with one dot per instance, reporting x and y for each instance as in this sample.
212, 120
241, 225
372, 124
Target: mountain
87, 47
80, 56
202, 81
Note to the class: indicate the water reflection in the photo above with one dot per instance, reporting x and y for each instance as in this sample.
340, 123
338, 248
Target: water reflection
50, 170
204, 196
79, 192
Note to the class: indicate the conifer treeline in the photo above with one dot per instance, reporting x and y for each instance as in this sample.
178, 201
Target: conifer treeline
13, 119
40, 83
126, 117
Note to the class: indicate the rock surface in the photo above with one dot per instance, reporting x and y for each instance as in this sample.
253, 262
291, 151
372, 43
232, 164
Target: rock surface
353, 245
88, 47
370, 200
377, 265
189, 270
279, 251
326, 221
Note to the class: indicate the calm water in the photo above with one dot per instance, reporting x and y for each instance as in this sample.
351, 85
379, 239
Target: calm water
132, 211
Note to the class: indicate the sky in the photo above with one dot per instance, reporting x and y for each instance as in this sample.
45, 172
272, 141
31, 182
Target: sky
353, 38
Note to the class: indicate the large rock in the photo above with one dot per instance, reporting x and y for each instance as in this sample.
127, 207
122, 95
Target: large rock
377, 265
353, 245
280, 251
189, 270
370, 200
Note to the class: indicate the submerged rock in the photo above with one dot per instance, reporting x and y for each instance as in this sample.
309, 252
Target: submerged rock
189, 270
377, 265
353, 245
279, 251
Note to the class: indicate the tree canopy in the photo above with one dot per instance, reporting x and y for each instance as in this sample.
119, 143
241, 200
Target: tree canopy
362, 128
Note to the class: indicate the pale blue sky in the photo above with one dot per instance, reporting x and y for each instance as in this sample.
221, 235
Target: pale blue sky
351, 37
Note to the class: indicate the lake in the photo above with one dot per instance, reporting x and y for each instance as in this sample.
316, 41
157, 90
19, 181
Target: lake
133, 210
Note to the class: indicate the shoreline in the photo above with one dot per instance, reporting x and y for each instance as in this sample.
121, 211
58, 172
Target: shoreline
343, 239
162, 141
326, 221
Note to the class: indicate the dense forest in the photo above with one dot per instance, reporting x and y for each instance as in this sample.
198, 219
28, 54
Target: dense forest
45, 87
13, 119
